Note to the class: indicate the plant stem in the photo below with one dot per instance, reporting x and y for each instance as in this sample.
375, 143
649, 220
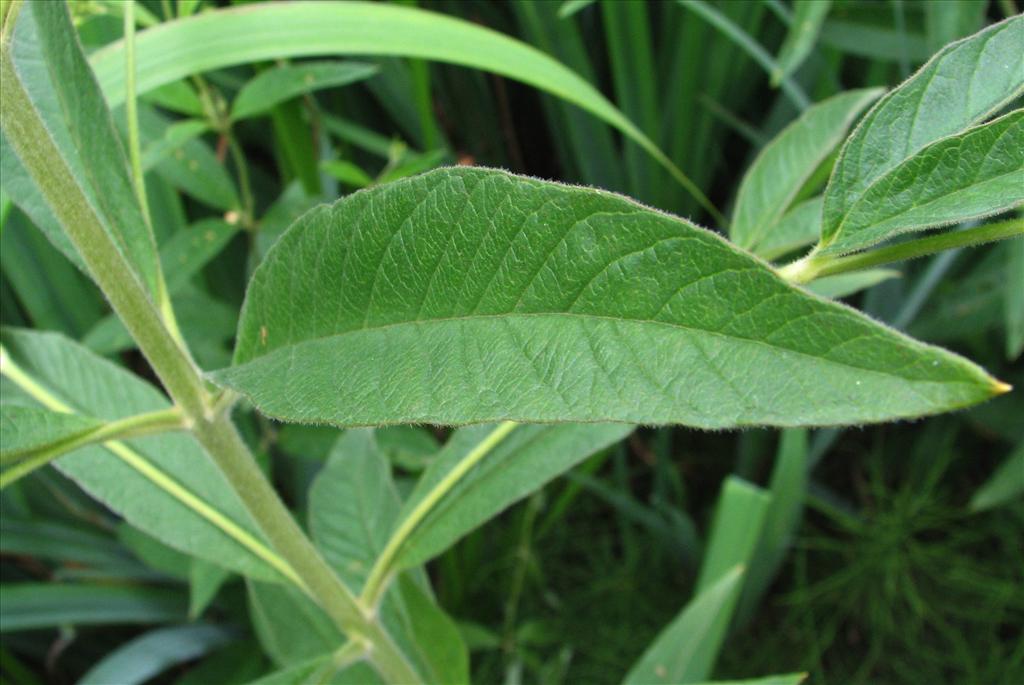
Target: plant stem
174, 367
816, 265
377, 580
132, 426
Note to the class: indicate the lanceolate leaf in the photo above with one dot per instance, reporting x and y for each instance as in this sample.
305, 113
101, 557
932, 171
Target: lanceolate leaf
963, 84
147, 483
785, 164
678, 649
49, 61
283, 83
523, 462
27, 429
31, 606
471, 295
797, 228
971, 175
353, 506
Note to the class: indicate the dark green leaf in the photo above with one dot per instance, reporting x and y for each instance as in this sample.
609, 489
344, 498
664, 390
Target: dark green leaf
279, 84
152, 653
27, 429
30, 606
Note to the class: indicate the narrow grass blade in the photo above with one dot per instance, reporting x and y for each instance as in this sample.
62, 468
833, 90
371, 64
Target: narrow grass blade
1005, 485
803, 32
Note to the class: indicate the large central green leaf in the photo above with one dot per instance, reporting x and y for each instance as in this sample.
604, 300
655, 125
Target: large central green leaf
471, 295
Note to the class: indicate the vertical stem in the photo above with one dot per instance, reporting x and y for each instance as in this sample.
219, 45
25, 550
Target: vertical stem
131, 110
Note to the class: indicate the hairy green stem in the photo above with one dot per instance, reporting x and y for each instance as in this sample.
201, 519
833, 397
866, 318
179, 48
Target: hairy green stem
180, 376
816, 265
376, 582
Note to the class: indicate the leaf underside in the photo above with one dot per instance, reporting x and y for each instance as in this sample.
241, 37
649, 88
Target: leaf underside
470, 295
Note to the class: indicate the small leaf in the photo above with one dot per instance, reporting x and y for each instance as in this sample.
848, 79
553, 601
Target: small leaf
289, 626
353, 506
522, 463
1006, 484
24, 430
968, 176
279, 84
784, 165
807, 18
799, 227
960, 86
843, 285
471, 295
672, 656
321, 669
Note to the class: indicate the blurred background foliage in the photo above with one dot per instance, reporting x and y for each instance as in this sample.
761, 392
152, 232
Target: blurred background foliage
899, 560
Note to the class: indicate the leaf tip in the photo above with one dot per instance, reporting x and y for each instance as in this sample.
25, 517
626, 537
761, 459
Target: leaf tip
1000, 388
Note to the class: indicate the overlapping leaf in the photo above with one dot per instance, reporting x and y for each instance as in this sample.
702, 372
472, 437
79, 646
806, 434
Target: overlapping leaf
282, 83
101, 389
785, 164
960, 86
471, 295
27, 429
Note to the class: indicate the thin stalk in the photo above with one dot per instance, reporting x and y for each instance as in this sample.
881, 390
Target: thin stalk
382, 568
129, 427
244, 187
816, 265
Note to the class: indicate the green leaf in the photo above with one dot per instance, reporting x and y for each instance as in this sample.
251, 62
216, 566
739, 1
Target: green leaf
961, 85
470, 295
176, 49
1006, 484
163, 484
788, 679
290, 627
190, 250
24, 430
677, 655
48, 58
152, 653
1013, 298
71, 545
353, 506
522, 463
803, 32
279, 84
31, 606
788, 488
842, 285
799, 227
968, 176
347, 172
784, 165
204, 581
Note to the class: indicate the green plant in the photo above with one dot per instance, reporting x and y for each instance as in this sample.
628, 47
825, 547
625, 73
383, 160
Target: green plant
543, 320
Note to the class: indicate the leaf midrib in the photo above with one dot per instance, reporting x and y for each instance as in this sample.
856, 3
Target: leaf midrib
289, 348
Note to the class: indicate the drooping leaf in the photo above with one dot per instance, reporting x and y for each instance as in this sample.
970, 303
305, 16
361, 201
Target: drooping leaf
30, 606
471, 295
48, 59
353, 506
283, 83
784, 165
163, 484
274, 30
961, 85
27, 429
961, 177
677, 655
1004, 485
523, 462
807, 18
152, 653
